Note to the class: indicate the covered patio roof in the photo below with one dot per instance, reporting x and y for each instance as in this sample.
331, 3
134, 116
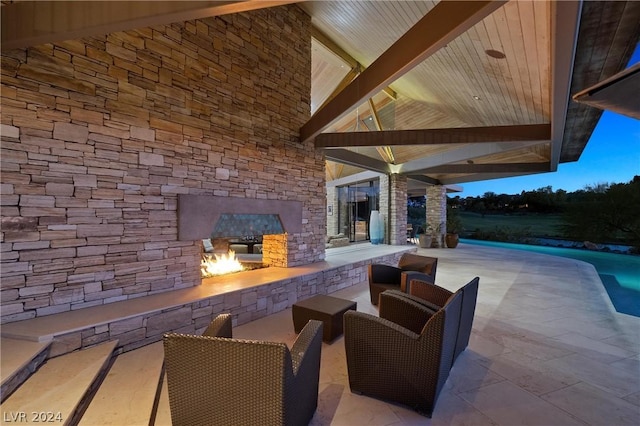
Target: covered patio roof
444, 92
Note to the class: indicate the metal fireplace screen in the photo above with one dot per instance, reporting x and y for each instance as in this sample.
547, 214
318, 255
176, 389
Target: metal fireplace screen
240, 225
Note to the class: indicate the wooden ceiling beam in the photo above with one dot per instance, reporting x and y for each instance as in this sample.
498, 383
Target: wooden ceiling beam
489, 168
475, 177
351, 158
530, 132
444, 23
323, 39
30, 23
384, 151
461, 153
424, 179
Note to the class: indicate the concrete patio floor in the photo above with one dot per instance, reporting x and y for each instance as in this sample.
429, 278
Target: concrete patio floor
547, 348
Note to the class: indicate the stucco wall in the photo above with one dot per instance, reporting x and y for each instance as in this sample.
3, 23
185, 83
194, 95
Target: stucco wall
99, 136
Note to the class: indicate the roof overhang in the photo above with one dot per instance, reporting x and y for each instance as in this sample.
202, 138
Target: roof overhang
619, 93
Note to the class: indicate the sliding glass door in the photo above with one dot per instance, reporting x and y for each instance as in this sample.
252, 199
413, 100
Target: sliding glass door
355, 203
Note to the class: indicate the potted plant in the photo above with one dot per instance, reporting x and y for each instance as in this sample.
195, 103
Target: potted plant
454, 225
437, 240
424, 236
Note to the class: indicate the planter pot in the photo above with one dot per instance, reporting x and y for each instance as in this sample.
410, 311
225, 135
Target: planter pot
424, 241
374, 227
452, 240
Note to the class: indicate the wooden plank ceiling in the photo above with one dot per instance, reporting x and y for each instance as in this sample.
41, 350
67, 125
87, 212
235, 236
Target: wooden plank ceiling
500, 72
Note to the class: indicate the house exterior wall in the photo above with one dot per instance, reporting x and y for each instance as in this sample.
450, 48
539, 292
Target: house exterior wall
100, 135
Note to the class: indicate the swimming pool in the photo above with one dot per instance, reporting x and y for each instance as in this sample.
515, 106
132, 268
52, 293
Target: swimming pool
620, 273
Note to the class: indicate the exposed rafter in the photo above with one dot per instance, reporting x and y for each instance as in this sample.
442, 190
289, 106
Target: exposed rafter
480, 176
384, 151
489, 168
445, 22
532, 132
424, 179
462, 153
353, 63
345, 156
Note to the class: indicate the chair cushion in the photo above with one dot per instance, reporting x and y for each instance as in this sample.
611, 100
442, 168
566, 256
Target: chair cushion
411, 262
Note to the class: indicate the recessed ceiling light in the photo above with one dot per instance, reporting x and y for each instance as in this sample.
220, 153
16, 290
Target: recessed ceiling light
477, 98
495, 54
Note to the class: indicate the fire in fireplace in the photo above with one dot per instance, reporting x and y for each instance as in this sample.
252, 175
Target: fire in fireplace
220, 264
207, 218
225, 263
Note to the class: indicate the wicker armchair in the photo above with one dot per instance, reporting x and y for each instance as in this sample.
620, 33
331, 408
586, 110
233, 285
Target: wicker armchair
435, 297
410, 267
223, 381
386, 360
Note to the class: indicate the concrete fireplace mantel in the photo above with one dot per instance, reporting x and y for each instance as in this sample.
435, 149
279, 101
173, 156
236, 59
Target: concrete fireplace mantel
198, 214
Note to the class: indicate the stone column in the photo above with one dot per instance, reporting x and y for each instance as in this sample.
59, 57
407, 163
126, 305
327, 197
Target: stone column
384, 203
333, 227
437, 211
393, 204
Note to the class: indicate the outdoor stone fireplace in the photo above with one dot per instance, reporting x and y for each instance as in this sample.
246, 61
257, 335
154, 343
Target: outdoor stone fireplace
221, 219
101, 136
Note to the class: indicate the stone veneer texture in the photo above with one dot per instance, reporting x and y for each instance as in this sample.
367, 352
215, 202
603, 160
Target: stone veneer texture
244, 305
398, 210
99, 135
436, 207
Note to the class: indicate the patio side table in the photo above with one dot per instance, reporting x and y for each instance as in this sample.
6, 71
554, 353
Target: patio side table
327, 309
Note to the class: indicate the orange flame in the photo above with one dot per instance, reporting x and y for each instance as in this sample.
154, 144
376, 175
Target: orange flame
220, 264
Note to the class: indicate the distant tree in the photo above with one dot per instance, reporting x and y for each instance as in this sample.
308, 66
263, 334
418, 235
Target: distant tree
605, 213
454, 202
480, 207
416, 211
599, 188
543, 200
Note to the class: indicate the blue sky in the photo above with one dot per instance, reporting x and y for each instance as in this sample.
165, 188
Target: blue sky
612, 155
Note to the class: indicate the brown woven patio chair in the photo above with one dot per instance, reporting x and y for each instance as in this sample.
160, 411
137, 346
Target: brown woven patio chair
224, 381
435, 297
411, 266
388, 361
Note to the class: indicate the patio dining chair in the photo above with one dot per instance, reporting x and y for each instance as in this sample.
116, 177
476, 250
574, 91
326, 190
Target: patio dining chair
214, 379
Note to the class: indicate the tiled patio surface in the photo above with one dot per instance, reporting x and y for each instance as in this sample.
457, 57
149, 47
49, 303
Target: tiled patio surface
547, 348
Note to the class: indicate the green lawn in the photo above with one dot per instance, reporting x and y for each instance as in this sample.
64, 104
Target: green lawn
533, 225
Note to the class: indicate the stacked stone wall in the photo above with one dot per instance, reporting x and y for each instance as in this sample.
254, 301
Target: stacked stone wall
99, 135
398, 211
436, 211
245, 305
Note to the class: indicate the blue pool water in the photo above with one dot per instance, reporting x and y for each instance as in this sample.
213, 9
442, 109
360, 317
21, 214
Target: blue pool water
620, 273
